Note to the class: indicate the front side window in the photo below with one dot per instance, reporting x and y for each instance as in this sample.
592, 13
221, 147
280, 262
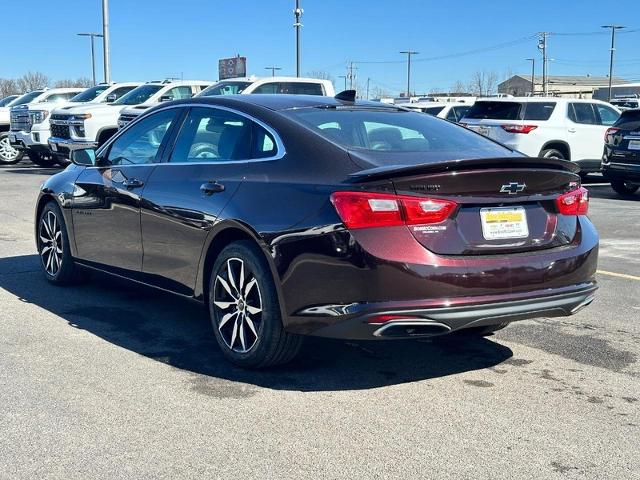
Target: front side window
212, 135
120, 92
141, 143
582, 113
58, 97
608, 116
391, 130
138, 95
179, 93
225, 88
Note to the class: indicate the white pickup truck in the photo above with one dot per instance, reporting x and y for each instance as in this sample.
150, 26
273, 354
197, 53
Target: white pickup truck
8, 154
89, 126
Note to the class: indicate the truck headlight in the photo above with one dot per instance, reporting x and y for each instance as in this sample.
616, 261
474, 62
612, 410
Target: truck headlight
38, 116
81, 116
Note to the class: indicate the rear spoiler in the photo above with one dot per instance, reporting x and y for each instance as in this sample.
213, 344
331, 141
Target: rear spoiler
390, 171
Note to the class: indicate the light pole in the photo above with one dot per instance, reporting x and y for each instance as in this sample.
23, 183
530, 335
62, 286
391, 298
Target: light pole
345, 80
613, 49
93, 52
408, 53
298, 16
533, 75
273, 70
542, 46
105, 41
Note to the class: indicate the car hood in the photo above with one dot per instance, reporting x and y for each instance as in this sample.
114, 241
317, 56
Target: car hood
89, 108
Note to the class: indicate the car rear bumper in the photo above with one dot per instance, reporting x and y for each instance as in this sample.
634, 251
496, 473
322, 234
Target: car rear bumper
621, 170
411, 320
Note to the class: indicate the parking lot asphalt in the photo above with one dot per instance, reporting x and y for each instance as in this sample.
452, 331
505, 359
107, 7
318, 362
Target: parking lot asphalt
111, 380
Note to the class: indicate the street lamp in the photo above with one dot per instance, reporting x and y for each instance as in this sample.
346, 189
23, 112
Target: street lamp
106, 52
613, 48
345, 80
93, 52
408, 53
297, 13
533, 75
273, 70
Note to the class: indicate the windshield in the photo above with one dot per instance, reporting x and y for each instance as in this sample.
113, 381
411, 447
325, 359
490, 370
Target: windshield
391, 130
224, 88
26, 98
7, 100
89, 94
138, 95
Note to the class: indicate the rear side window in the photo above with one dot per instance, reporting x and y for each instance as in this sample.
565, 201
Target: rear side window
608, 115
495, 111
119, 92
296, 88
433, 110
457, 113
538, 110
582, 113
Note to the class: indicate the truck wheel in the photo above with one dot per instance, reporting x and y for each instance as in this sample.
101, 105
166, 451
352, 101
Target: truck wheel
552, 153
41, 160
8, 154
624, 188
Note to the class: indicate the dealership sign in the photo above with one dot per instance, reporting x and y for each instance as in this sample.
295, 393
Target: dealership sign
232, 67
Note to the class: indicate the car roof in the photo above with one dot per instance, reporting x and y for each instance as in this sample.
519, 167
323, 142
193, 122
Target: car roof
539, 99
284, 101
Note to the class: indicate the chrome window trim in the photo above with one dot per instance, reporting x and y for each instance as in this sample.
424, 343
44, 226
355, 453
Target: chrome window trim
280, 148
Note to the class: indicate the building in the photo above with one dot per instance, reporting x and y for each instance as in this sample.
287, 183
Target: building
560, 86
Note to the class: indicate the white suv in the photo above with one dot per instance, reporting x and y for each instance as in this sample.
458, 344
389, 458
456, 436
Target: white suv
89, 126
454, 112
567, 128
29, 130
291, 85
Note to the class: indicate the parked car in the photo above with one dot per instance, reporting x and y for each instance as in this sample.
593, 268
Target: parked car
301, 215
566, 128
30, 123
171, 90
621, 159
626, 103
271, 85
92, 125
8, 154
7, 100
454, 112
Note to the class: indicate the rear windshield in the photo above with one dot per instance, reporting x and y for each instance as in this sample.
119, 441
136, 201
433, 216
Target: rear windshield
511, 110
629, 120
89, 94
391, 130
224, 88
138, 95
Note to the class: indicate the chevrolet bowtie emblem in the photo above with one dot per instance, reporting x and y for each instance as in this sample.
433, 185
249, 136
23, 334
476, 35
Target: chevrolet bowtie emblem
512, 188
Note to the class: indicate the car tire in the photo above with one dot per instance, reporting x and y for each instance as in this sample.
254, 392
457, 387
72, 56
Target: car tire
552, 153
42, 160
245, 311
624, 188
8, 154
54, 250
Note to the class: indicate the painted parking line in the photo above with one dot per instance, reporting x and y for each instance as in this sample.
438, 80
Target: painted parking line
619, 275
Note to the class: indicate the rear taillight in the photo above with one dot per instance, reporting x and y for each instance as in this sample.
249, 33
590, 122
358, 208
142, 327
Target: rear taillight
610, 131
519, 128
575, 202
367, 210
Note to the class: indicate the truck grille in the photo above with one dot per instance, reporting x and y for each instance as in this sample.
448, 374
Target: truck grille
59, 128
20, 121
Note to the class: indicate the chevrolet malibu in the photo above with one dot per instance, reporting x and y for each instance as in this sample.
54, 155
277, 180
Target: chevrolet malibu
292, 215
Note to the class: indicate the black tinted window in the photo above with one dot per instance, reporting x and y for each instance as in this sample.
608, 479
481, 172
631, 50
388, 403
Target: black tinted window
495, 111
211, 134
433, 110
538, 110
300, 88
458, 113
582, 113
141, 143
629, 120
119, 92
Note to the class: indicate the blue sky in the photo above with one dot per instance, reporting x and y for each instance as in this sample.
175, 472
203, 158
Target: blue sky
153, 39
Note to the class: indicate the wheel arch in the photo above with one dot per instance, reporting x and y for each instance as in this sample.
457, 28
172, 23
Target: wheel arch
559, 145
49, 196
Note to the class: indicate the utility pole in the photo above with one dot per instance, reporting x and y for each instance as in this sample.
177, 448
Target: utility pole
368, 80
533, 75
93, 53
542, 46
273, 70
105, 41
408, 53
613, 49
298, 16
351, 75
345, 80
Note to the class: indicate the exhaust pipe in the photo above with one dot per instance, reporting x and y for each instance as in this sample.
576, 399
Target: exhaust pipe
583, 304
411, 328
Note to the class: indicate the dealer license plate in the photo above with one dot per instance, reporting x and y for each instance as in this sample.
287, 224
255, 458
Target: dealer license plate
634, 144
501, 223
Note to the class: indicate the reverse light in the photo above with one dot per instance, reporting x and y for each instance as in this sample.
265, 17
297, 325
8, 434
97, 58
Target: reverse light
575, 202
367, 210
610, 131
519, 128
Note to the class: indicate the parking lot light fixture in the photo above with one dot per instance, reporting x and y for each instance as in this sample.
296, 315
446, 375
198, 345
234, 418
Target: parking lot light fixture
273, 70
408, 53
613, 49
93, 52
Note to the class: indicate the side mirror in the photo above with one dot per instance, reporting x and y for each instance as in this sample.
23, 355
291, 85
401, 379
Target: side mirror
112, 97
166, 98
85, 157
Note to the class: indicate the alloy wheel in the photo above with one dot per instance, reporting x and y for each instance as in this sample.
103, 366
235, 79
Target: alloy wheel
238, 302
7, 152
50, 236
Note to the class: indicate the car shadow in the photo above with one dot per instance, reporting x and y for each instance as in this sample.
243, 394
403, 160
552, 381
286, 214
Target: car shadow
607, 193
177, 332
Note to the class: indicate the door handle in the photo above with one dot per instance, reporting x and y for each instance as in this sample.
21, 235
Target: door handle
571, 130
130, 183
210, 188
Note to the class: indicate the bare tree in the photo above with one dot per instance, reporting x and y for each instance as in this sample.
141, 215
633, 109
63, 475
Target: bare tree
79, 82
8, 86
459, 87
320, 74
483, 83
32, 81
